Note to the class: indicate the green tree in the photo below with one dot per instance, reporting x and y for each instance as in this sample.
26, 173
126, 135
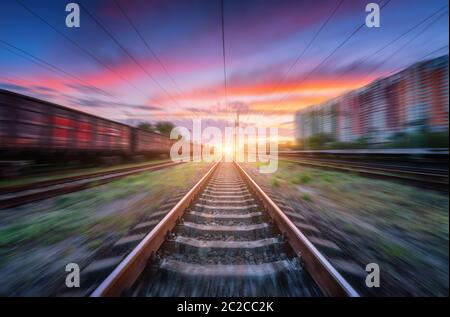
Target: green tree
164, 127
319, 141
146, 126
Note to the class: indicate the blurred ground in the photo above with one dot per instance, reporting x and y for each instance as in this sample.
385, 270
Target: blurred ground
51, 174
402, 228
39, 239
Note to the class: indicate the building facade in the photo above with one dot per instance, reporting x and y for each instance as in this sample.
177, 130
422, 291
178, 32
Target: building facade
406, 102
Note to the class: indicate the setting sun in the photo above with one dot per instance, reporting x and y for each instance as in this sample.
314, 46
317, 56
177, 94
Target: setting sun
228, 149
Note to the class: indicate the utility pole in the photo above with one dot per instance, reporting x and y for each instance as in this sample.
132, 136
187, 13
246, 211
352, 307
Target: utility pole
236, 127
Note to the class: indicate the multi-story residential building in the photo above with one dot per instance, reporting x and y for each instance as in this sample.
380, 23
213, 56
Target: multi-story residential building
408, 101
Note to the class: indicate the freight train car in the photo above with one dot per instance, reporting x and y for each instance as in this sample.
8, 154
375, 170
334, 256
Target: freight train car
36, 127
32, 128
149, 143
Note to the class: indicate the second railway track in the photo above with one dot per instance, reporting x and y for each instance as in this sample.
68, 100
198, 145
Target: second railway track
225, 237
433, 179
34, 192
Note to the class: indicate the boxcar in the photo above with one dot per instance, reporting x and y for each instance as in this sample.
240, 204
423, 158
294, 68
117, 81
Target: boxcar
148, 142
31, 125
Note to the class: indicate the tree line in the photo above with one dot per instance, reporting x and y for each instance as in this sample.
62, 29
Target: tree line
163, 127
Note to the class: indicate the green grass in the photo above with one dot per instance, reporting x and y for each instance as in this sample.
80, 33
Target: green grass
24, 180
47, 228
76, 214
393, 249
274, 182
306, 197
94, 244
405, 228
328, 177
302, 178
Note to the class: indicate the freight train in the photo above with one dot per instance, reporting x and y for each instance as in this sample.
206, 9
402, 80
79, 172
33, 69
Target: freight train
35, 129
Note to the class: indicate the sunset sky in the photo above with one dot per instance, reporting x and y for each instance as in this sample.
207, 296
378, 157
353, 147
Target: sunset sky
178, 72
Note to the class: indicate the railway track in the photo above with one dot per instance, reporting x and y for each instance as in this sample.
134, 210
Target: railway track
430, 178
21, 195
430, 168
225, 237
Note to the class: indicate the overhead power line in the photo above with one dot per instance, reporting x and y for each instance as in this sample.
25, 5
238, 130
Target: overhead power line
147, 45
419, 59
337, 48
299, 56
224, 55
81, 48
406, 43
50, 66
114, 39
149, 48
393, 41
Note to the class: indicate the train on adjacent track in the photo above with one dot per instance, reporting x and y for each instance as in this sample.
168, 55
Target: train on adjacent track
33, 129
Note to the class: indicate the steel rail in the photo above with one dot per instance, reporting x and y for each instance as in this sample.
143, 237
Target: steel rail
126, 273
329, 280
419, 177
69, 188
368, 167
371, 165
68, 179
